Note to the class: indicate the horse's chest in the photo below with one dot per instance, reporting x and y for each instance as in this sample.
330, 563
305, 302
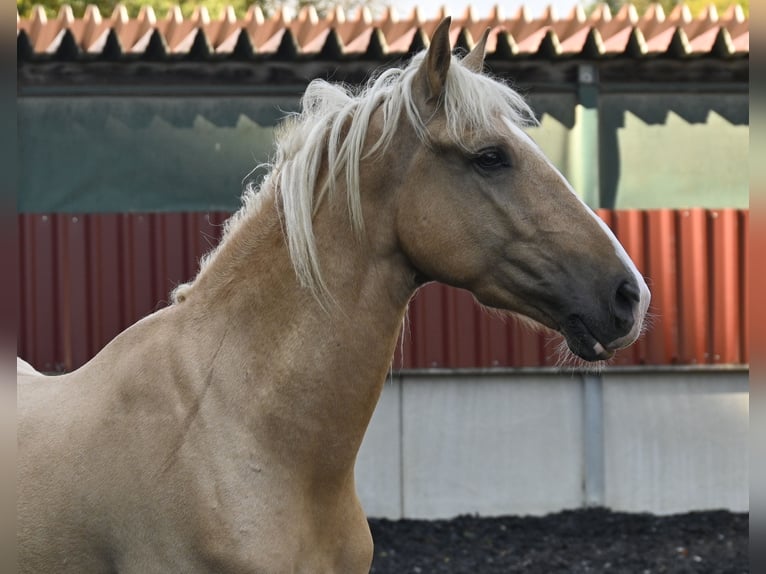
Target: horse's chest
275, 532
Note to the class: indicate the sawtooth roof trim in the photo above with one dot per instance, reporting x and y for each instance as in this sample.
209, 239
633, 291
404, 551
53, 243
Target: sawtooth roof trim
339, 35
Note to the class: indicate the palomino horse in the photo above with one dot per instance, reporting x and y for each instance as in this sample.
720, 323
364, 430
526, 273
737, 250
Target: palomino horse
220, 434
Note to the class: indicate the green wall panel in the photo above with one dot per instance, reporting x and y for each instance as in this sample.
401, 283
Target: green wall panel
678, 164
141, 154
674, 150
129, 153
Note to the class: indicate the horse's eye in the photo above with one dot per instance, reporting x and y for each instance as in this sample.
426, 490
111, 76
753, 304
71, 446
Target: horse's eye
491, 159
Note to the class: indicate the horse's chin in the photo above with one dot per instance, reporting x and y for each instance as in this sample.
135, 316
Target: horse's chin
582, 342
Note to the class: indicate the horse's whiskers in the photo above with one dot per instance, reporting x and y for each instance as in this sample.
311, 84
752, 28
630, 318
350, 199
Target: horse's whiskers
567, 360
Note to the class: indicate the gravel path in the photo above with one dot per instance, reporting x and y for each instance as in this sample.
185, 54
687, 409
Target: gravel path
571, 542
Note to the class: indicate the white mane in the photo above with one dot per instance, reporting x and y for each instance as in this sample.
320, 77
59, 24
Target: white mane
473, 103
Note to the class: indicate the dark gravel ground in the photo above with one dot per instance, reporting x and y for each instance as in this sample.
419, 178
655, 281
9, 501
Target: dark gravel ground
572, 542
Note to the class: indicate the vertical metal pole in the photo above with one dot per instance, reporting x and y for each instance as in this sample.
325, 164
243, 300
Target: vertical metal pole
593, 434
584, 156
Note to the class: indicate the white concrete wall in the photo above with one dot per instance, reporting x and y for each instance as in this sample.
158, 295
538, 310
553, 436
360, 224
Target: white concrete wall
677, 443
444, 444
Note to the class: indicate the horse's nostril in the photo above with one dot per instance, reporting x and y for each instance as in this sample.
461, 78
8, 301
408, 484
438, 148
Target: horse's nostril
628, 293
625, 299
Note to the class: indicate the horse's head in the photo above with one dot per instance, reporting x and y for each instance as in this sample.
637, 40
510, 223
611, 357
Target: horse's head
480, 207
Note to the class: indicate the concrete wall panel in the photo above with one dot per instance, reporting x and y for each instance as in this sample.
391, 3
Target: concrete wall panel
445, 444
491, 445
676, 444
378, 466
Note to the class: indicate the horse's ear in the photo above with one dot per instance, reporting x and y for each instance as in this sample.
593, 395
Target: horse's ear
474, 60
437, 61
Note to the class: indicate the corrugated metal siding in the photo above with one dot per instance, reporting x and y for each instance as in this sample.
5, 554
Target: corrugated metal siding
85, 278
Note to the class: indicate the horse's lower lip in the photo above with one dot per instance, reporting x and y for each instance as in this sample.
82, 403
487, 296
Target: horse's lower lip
582, 342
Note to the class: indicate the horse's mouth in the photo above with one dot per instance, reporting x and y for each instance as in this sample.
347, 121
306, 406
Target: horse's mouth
582, 342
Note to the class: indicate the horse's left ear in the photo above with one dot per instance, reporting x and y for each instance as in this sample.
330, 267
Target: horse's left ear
474, 60
437, 60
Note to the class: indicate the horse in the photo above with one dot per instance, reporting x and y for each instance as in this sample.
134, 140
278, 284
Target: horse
219, 434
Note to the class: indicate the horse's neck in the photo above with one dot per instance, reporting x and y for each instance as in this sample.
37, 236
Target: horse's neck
310, 376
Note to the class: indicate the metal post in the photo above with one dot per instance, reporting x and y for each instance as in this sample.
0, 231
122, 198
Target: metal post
593, 438
584, 157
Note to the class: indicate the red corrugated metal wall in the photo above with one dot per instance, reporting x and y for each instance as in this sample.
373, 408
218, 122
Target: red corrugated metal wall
84, 278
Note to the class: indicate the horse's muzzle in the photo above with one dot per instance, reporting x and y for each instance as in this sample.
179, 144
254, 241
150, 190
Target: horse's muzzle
595, 336
582, 342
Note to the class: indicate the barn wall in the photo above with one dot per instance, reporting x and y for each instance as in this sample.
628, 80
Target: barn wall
86, 277
443, 443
